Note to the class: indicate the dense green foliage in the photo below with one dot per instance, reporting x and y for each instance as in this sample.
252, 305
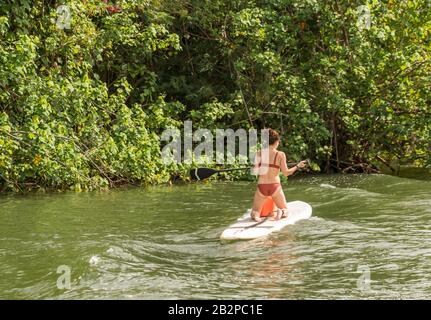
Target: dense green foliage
84, 107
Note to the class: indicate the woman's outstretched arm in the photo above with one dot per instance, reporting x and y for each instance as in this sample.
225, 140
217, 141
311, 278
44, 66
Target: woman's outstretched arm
289, 171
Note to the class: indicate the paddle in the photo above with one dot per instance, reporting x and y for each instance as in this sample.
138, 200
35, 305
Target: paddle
203, 173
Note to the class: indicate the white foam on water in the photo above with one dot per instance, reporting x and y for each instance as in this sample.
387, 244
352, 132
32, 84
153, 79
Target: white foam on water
94, 260
327, 186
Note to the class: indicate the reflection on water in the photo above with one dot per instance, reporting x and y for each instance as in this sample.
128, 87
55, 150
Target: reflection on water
162, 242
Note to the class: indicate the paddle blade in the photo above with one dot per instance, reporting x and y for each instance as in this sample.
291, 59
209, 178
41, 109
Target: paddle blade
201, 173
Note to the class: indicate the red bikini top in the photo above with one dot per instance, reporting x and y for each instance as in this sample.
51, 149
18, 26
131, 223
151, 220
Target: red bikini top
271, 165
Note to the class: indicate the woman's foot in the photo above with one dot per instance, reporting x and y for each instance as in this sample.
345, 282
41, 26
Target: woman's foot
281, 214
255, 215
285, 213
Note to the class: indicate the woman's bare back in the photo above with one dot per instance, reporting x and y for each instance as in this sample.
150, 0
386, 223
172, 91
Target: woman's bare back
266, 157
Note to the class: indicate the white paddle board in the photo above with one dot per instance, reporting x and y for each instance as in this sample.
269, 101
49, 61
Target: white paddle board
246, 228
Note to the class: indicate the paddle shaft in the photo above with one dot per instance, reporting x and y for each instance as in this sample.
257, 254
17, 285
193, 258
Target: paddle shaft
203, 173
234, 169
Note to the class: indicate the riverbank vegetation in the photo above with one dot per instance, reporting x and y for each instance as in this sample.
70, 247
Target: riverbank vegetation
83, 101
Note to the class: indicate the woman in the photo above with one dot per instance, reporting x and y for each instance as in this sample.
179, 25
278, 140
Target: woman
268, 184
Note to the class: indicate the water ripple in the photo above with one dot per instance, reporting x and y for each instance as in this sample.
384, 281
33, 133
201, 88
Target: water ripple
163, 243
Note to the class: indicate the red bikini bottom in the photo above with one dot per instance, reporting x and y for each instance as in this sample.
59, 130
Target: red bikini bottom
268, 189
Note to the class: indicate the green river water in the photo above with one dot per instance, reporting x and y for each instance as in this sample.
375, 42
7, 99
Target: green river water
163, 243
